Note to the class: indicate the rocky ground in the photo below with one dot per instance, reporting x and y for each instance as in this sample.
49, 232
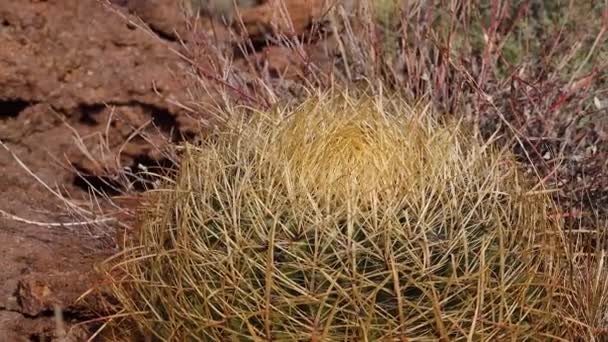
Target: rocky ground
61, 63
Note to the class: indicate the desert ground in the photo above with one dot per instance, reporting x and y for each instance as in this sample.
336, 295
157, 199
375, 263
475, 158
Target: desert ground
64, 64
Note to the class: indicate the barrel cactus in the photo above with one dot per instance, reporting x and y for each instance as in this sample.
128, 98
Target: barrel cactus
347, 218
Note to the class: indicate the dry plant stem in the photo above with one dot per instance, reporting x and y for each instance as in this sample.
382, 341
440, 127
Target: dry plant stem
70, 204
55, 224
143, 26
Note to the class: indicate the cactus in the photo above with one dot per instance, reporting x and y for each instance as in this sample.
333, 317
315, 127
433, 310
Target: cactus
347, 218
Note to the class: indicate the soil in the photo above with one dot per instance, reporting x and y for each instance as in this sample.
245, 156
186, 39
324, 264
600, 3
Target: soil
61, 63
77, 80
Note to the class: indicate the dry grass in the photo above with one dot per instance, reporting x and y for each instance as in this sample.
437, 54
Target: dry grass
344, 219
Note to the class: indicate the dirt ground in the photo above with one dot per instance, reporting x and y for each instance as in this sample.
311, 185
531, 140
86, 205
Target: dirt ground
61, 63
